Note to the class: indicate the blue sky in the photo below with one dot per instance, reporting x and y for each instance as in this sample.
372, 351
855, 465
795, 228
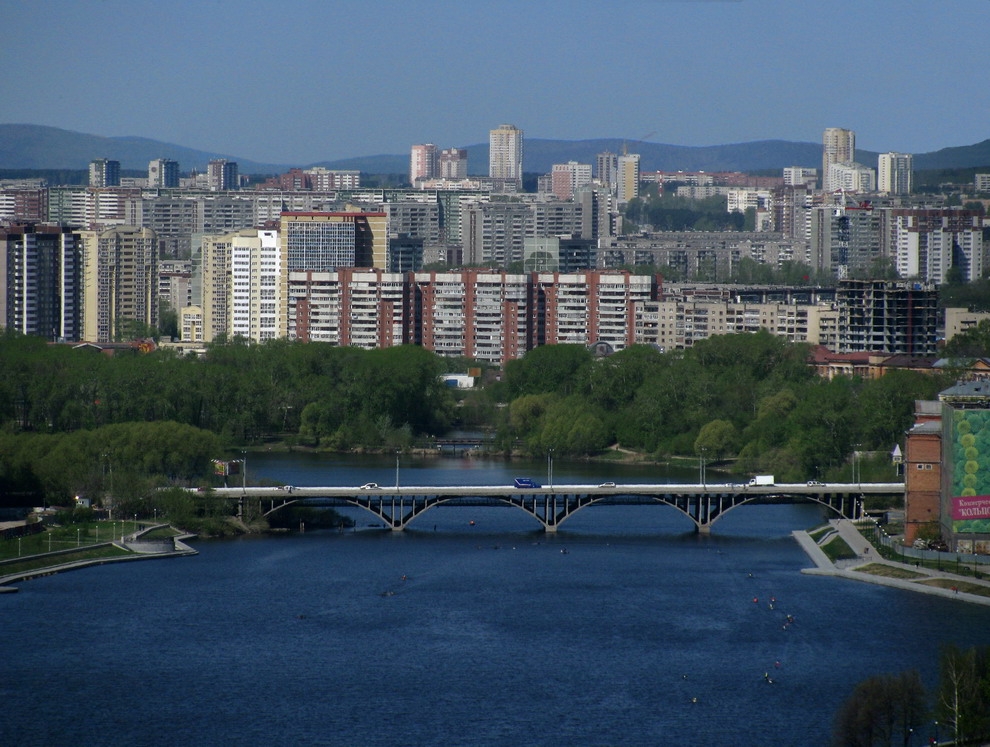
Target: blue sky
300, 81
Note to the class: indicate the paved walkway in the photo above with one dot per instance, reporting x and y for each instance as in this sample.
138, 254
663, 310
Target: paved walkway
866, 554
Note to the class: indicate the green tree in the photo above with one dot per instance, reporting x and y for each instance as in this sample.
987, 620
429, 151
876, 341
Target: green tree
716, 439
963, 698
882, 710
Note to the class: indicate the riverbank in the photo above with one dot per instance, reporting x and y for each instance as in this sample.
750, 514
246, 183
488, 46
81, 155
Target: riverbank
868, 566
144, 544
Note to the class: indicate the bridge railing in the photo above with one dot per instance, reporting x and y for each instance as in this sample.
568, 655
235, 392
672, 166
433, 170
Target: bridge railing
877, 535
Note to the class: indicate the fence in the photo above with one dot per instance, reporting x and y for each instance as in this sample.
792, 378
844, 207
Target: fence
875, 534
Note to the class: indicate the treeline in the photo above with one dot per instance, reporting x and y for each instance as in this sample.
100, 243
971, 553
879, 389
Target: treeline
126, 460
241, 392
891, 709
672, 213
753, 397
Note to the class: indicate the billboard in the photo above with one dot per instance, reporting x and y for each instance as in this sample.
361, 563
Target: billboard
969, 460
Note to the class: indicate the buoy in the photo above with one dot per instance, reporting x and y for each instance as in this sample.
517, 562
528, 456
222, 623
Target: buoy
755, 600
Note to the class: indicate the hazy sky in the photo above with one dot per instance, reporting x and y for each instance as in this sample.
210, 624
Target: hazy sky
299, 81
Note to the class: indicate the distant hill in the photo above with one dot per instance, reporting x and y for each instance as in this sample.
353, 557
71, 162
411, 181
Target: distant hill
24, 146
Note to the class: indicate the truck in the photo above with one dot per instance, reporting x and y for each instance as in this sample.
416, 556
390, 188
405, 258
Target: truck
762, 480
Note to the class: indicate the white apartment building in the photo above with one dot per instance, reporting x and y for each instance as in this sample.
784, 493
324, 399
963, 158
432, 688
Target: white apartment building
254, 274
894, 173
838, 146
848, 176
798, 176
926, 243
505, 153
739, 200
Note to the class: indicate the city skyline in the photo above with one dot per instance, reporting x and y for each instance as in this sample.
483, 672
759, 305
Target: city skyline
438, 74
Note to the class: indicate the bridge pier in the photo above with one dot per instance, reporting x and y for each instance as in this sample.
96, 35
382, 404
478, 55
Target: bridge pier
705, 529
550, 528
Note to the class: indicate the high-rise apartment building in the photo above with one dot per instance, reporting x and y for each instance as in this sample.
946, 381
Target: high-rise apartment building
424, 163
838, 145
119, 281
39, 281
254, 275
628, 177
607, 169
505, 153
454, 163
849, 176
163, 172
927, 243
846, 239
104, 173
222, 175
567, 178
326, 242
894, 173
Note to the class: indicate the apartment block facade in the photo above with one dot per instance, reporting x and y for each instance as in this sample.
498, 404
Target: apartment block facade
40, 270
119, 280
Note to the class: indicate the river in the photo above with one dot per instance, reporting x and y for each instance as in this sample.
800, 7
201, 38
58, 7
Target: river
625, 628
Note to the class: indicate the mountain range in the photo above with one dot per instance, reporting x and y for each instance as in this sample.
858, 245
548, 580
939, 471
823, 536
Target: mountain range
27, 146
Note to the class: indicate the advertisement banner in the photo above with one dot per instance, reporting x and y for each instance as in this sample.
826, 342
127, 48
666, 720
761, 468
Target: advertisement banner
969, 459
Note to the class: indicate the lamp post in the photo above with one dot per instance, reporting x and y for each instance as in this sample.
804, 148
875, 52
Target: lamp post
550, 468
18, 547
397, 452
243, 469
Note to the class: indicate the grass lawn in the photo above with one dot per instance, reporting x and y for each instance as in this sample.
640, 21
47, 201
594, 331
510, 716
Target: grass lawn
45, 562
817, 534
878, 569
837, 549
966, 586
66, 537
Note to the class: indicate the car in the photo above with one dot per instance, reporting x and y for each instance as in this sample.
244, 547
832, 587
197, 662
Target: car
370, 486
525, 482
815, 483
287, 488
607, 485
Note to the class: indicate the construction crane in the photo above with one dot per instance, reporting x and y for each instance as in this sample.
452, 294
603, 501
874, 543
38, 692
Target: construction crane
625, 150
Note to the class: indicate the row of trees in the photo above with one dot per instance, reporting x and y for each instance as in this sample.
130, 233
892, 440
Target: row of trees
239, 391
751, 397
748, 396
671, 213
891, 709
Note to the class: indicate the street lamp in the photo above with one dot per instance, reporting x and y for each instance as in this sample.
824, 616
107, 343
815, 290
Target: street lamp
243, 469
18, 547
397, 452
550, 468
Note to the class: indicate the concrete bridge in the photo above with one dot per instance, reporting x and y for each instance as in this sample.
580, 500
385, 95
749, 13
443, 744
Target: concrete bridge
397, 507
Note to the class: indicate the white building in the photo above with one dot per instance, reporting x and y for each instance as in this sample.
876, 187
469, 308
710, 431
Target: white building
894, 173
505, 153
738, 200
838, 146
254, 275
798, 176
848, 176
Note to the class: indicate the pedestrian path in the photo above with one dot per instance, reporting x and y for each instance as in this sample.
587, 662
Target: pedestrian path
888, 572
